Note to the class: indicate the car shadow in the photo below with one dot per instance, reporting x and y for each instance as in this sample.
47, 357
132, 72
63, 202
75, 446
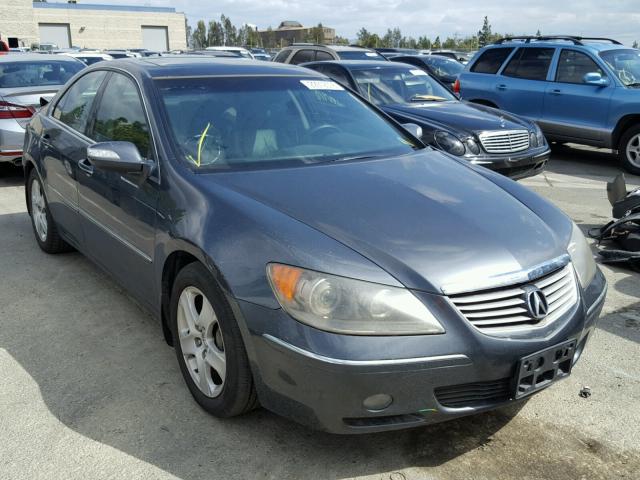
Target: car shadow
10, 175
103, 369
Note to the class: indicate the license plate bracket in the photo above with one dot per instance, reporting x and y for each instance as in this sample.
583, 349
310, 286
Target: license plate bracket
540, 369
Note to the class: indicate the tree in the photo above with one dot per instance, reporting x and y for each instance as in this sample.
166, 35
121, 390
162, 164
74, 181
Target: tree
199, 36
215, 35
484, 35
538, 33
635, 44
270, 38
436, 43
187, 29
230, 31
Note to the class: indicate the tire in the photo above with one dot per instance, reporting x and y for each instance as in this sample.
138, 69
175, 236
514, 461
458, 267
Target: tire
209, 346
44, 227
629, 150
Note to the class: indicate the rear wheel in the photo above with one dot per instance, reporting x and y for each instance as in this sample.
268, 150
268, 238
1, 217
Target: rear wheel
44, 227
629, 150
209, 346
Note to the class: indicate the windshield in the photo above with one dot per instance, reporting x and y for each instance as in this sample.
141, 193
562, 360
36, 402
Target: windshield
360, 55
37, 73
445, 67
625, 63
385, 85
238, 122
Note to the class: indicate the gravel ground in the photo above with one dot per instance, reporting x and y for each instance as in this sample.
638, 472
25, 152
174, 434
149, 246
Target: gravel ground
89, 389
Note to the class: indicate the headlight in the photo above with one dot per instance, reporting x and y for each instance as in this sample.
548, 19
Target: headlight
449, 143
348, 306
581, 256
533, 140
539, 135
472, 146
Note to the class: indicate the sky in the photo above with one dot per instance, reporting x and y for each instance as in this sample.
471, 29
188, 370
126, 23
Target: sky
618, 19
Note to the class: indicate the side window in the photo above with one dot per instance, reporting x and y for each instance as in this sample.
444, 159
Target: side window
530, 63
574, 65
120, 115
323, 56
74, 106
338, 75
303, 56
282, 56
491, 60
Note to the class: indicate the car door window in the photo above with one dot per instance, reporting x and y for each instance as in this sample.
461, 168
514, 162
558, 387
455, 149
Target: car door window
120, 115
574, 65
282, 56
73, 107
303, 56
530, 63
323, 56
491, 60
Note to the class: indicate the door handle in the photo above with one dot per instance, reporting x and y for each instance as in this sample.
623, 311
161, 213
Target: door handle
556, 91
85, 166
502, 87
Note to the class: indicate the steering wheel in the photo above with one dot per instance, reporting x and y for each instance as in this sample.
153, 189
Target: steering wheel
325, 129
205, 149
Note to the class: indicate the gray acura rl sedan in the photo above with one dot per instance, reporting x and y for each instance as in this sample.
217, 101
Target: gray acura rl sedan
305, 252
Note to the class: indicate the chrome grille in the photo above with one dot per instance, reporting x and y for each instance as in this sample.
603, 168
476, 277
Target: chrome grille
504, 141
506, 308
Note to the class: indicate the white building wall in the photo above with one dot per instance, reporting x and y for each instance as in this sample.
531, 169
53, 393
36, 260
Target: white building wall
102, 29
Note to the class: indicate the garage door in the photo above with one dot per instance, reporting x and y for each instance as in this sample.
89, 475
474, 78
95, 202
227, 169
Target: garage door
57, 33
155, 38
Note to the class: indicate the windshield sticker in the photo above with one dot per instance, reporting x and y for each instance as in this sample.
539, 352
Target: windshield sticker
419, 72
321, 85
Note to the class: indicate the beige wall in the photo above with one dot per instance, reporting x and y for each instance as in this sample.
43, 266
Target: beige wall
17, 20
103, 29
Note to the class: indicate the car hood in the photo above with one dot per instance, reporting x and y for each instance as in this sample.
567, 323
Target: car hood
459, 116
430, 221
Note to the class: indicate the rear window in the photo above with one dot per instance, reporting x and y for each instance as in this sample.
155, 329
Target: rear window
303, 56
360, 55
37, 73
491, 60
282, 56
530, 63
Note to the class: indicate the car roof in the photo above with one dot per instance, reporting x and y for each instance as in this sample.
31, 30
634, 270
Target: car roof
35, 57
203, 66
335, 48
593, 46
361, 64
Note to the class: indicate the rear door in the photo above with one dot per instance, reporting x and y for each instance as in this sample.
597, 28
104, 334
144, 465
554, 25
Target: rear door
63, 145
118, 210
522, 83
572, 108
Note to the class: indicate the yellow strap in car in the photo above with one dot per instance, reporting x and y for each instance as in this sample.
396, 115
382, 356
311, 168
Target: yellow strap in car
202, 137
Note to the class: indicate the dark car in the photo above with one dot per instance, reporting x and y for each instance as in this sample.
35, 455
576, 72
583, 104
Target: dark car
482, 135
301, 250
444, 69
309, 52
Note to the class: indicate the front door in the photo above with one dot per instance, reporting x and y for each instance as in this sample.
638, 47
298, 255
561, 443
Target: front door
118, 211
572, 108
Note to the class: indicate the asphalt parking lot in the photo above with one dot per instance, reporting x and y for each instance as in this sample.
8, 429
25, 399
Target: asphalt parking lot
89, 389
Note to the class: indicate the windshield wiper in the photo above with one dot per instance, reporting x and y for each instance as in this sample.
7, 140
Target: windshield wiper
634, 84
428, 98
356, 157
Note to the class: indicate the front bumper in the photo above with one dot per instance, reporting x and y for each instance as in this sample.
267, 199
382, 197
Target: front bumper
516, 166
322, 379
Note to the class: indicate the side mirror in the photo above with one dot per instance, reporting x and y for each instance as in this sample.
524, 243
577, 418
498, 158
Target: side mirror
595, 78
414, 129
122, 157
43, 102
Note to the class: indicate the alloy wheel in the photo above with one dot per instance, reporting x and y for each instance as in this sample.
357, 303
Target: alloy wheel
39, 210
633, 150
201, 342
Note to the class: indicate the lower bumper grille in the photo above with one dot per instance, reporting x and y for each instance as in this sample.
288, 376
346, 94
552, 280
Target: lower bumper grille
474, 394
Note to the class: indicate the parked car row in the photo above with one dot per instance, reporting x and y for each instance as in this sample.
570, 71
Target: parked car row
301, 249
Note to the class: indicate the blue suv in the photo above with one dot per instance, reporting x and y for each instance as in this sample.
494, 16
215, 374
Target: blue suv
578, 89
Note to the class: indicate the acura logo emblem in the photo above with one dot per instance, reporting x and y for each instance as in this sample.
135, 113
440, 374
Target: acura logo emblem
536, 303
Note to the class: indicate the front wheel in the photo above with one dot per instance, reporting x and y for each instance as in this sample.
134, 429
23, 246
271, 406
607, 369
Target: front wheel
44, 227
209, 346
629, 150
